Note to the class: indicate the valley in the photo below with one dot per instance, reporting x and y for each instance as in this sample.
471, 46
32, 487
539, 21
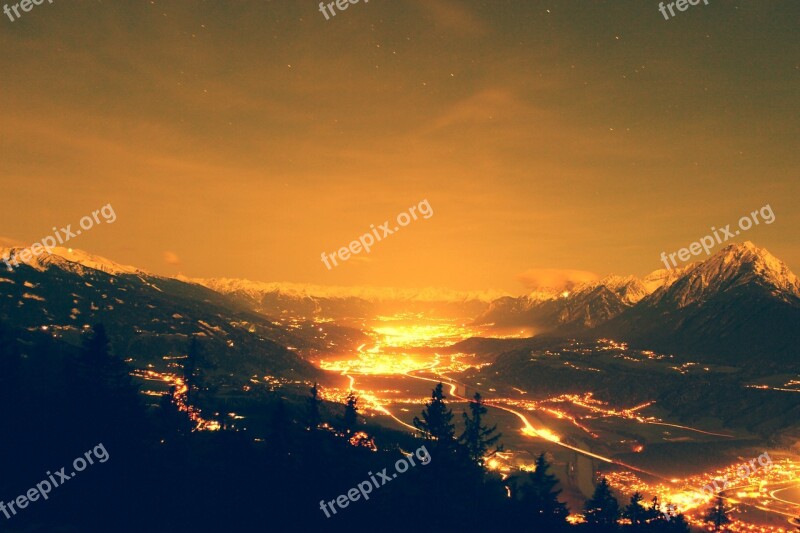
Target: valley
660, 421
639, 445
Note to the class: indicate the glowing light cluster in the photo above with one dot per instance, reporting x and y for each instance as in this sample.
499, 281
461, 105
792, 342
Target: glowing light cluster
179, 396
758, 490
394, 352
374, 364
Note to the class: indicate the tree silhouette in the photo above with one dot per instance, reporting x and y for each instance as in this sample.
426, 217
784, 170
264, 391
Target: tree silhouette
99, 387
678, 524
635, 511
602, 509
717, 514
279, 427
9, 368
539, 499
313, 402
654, 511
350, 420
190, 370
96, 355
437, 420
476, 437
175, 421
104, 379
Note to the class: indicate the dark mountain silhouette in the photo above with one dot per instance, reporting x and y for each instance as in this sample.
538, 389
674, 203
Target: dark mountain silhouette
149, 316
742, 302
584, 306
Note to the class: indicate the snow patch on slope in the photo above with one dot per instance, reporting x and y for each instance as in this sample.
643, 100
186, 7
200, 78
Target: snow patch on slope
72, 260
373, 294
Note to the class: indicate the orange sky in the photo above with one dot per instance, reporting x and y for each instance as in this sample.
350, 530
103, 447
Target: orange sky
244, 139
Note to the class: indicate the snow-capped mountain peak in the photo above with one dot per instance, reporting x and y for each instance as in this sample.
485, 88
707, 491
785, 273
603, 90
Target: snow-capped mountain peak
664, 278
70, 259
257, 289
629, 289
543, 294
735, 265
745, 262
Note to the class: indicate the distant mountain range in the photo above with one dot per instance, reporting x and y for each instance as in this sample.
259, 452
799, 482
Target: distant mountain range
585, 306
740, 303
341, 303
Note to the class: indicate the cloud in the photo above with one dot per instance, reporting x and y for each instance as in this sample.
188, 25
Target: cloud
171, 258
555, 278
454, 16
482, 108
8, 242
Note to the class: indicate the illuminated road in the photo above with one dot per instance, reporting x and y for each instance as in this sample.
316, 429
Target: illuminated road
400, 359
789, 486
179, 397
688, 429
371, 362
529, 430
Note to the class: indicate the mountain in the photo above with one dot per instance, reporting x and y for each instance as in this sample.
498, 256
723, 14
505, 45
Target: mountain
740, 303
276, 299
344, 303
149, 317
586, 306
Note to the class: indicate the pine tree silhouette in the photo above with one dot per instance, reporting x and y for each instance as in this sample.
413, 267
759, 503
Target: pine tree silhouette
350, 420
635, 511
190, 370
654, 511
539, 499
279, 428
602, 509
102, 373
104, 392
678, 524
313, 418
659, 517
717, 514
477, 438
9, 368
437, 419
176, 422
